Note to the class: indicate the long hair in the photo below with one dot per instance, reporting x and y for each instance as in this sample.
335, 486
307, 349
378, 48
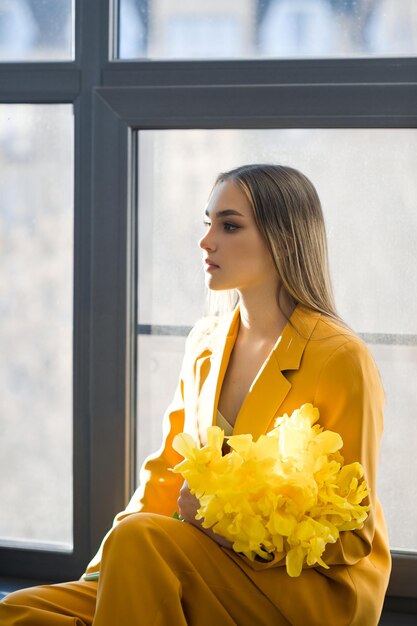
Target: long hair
288, 213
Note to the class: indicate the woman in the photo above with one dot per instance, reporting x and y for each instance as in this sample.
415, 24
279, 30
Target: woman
281, 347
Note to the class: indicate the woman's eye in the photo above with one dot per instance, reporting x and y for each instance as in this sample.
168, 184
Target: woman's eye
227, 226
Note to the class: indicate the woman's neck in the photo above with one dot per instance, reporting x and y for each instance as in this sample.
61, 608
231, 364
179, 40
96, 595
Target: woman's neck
261, 318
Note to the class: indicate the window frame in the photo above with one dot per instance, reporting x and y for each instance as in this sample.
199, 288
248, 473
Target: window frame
113, 100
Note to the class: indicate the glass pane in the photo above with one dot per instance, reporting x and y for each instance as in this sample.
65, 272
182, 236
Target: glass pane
159, 360
36, 250
366, 180
31, 30
184, 29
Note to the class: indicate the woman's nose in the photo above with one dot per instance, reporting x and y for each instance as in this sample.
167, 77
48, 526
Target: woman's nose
206, 242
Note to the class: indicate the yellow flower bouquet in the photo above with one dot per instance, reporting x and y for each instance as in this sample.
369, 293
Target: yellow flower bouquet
288, 492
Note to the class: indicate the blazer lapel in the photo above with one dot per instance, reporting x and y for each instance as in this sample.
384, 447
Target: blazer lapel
212, 380
270, 387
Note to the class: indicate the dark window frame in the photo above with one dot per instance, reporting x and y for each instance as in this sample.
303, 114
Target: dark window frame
112, 101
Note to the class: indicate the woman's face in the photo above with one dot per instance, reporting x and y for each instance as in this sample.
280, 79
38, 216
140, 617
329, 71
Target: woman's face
235, 254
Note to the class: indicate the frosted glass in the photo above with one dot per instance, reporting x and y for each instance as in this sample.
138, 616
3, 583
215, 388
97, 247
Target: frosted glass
159, 364
36, 299
185, 29
31, 30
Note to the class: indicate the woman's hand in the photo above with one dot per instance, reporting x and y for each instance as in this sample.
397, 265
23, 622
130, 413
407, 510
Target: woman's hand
188, 506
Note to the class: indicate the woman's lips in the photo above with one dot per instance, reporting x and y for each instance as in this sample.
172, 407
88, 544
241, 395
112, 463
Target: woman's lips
209, 266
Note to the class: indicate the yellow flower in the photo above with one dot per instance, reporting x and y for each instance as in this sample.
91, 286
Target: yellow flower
288, 492
308, 542
202, 467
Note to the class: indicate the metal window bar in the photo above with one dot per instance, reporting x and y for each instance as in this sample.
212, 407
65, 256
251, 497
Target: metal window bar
392, 339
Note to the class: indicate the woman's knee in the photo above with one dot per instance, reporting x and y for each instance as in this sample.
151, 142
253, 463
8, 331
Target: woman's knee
147, 532
132, 532
18, 597
131, 526
142, 523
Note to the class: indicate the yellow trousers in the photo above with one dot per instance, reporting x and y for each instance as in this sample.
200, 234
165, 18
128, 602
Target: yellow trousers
155, 571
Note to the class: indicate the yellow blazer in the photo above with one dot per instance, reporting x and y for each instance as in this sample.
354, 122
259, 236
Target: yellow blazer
315, 360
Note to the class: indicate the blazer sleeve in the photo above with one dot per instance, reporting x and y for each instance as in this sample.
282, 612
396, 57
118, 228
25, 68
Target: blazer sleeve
350, 398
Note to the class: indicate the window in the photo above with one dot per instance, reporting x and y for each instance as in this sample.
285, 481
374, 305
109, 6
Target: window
297, 108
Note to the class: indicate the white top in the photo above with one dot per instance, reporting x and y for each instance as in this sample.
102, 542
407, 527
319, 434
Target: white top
222, 423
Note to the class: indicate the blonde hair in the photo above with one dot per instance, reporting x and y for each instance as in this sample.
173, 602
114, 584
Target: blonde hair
288, 213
